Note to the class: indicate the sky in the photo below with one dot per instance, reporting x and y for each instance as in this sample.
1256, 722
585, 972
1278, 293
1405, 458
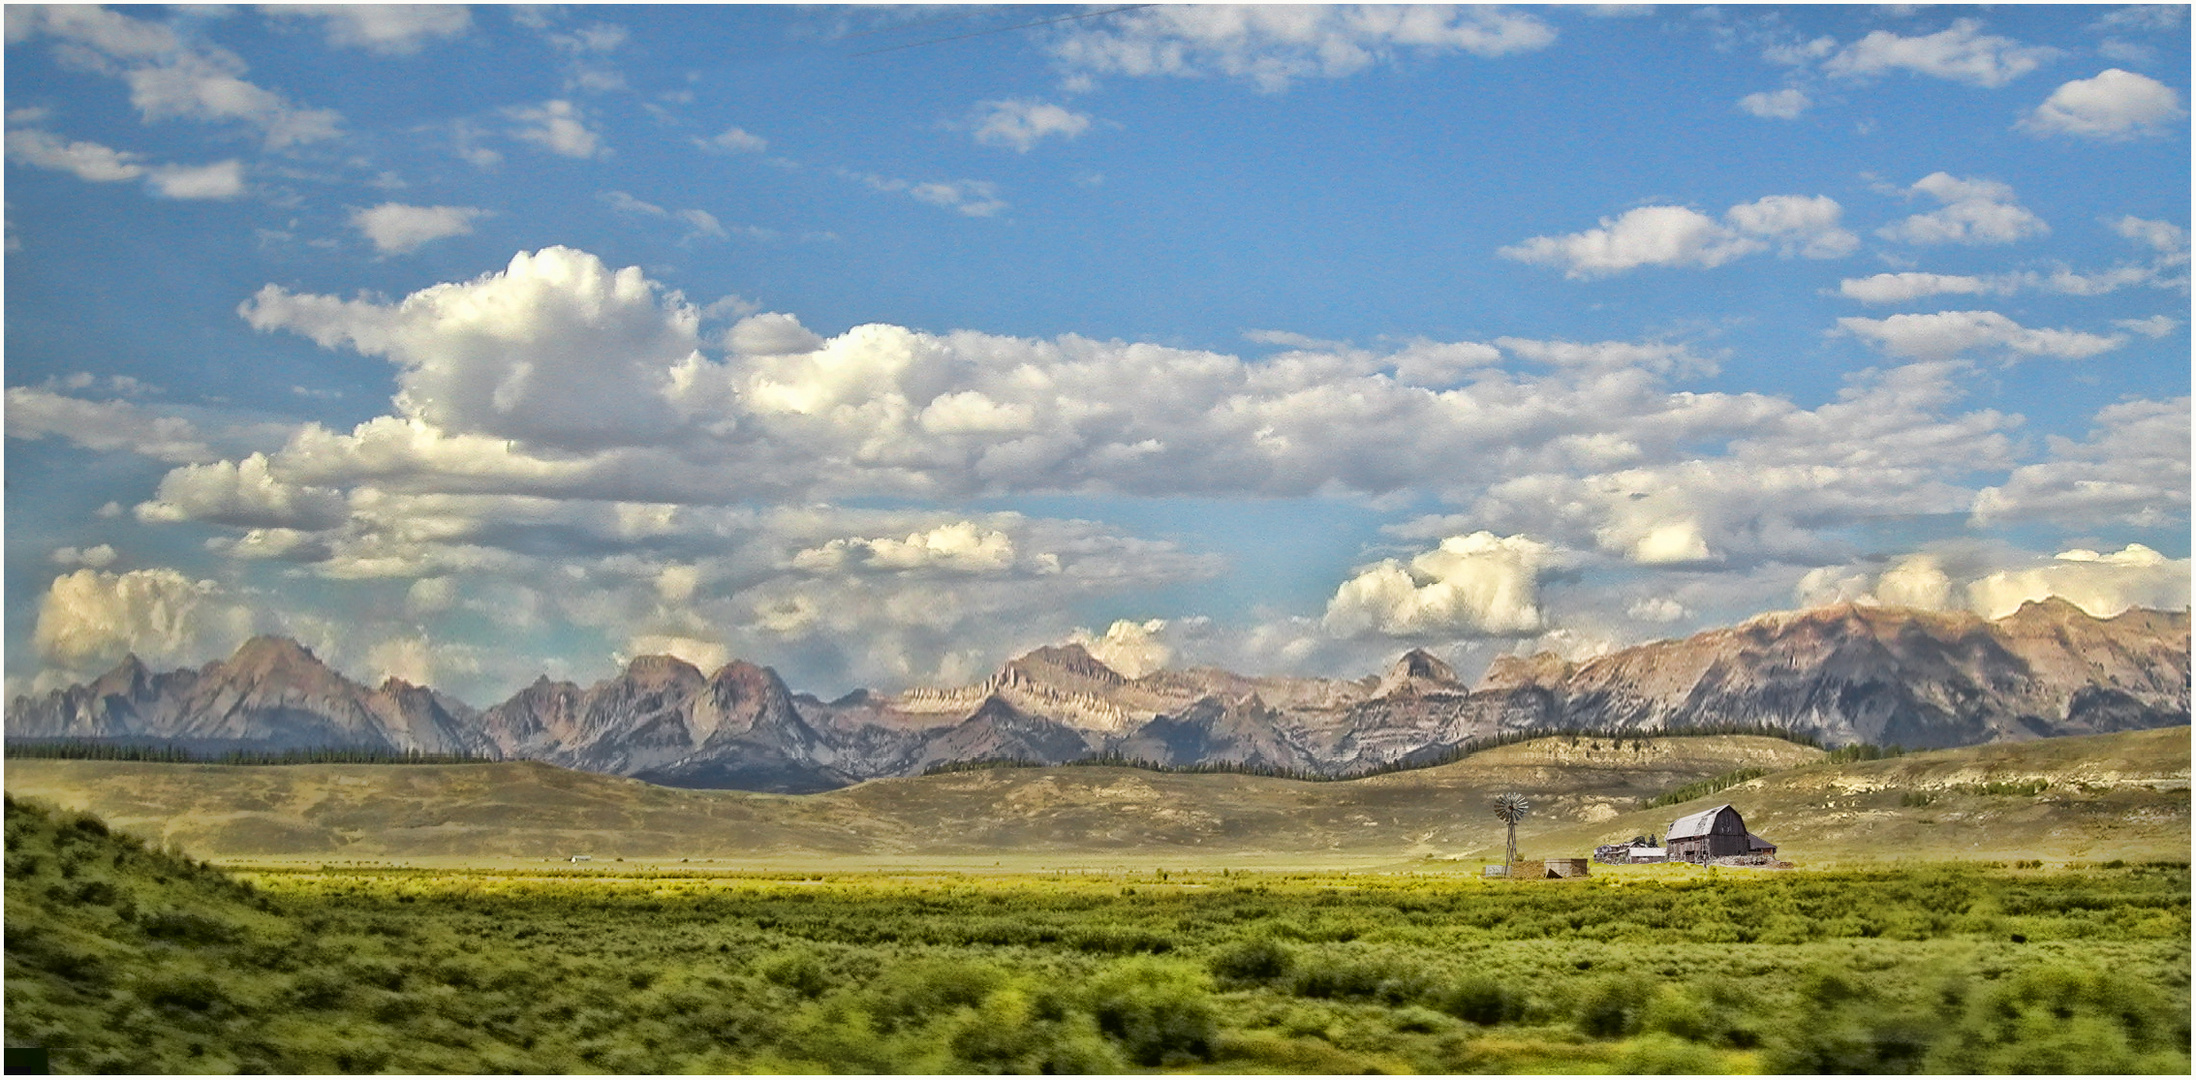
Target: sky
880, 345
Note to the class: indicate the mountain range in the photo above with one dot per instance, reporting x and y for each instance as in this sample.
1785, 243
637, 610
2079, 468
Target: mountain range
1840, 674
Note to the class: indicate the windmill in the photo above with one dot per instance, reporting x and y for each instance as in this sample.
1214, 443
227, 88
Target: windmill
1511, 807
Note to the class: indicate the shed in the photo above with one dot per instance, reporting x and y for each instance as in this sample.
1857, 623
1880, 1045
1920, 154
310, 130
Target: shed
1713, 834
1646, 855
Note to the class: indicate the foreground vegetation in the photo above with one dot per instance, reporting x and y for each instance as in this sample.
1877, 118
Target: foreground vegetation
122, 958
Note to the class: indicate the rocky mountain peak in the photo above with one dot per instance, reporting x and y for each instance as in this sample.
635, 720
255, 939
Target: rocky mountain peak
1542, 669
656, 670
1418, 673
1071, 660
271, 654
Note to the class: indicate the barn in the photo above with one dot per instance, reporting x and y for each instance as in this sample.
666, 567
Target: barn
1713, 834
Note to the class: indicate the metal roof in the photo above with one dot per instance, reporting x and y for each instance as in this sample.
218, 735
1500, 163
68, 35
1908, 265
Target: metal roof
1694, 824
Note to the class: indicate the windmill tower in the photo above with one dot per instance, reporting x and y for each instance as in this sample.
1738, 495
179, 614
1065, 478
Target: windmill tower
1511, 807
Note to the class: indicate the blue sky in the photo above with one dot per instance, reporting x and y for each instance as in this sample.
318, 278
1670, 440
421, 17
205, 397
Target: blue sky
879, 345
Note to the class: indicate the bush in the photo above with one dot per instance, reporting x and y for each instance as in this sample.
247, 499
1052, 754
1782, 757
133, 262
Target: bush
1160, 1012
1260, 960
1614, 1007
1483, 1001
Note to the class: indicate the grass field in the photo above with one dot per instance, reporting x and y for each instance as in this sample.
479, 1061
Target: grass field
123, 958
2060, 800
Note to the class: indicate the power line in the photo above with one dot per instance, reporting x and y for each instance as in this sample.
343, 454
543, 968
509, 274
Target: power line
1004, 29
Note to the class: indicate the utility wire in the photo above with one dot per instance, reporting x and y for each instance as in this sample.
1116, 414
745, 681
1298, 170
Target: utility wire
1004, 29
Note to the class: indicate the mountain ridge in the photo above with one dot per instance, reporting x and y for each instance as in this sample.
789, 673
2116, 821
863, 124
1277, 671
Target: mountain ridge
1841, 674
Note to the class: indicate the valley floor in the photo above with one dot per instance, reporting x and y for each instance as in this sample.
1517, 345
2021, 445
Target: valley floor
121, 958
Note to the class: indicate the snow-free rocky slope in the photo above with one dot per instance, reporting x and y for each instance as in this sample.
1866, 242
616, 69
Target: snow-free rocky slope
1842, 674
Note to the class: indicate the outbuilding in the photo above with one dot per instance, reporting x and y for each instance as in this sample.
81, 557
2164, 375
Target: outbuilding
1713, 834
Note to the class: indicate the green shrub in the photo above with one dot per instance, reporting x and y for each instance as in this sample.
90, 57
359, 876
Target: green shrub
1614, 1007
1160, 1012
1259, 960
1484, 1001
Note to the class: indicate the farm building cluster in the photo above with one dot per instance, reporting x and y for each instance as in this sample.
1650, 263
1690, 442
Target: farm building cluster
1712, 837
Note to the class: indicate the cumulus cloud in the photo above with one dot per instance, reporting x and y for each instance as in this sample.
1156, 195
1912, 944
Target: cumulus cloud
98, 557
2113, 105
2164, 237
2100, 584
1472, 585
1995, 582
1947, 334
388, 29
491, 470
1910, 285
397, 229
1680, 236
1273, 46
1974, 212
35, 413
243, 494
734, 140
555, 350
1785, 104
1960, 53
1020, 124
963, 547
89, 619
2133, 469
88, 160
1134, 649
168, 76
220, 180
557, 126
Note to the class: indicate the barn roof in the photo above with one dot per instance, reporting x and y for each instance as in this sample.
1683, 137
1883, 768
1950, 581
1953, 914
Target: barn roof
1694, 824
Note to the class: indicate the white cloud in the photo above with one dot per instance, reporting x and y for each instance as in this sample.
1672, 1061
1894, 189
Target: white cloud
1472, 585
557, 126
555, 350
1974, 212
975, 198
961, 547
220, 180
1785, 104
2115, 104
88, 160
1272, 46
88, 619
1132, 648
243, 494
395, 228
1947, 334
2156, 326
1680, 236
1658, 609
1961, 53
2103, 585
388, 29
207, 84
1901, 287
2133, 469
734, 140
98, 557
34, 413
2163, 236
1797, 224
1020, 124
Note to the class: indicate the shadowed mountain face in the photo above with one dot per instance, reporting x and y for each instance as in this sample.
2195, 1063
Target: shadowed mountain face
1840, 674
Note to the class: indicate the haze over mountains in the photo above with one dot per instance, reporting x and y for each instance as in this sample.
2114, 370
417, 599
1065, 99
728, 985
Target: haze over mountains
1842, 674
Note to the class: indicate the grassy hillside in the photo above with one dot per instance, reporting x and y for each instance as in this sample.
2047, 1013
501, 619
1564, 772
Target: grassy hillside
123, 959
2094, 797
2121, 796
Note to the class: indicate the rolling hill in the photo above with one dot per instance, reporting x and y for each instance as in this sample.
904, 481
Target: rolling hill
2111, 796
